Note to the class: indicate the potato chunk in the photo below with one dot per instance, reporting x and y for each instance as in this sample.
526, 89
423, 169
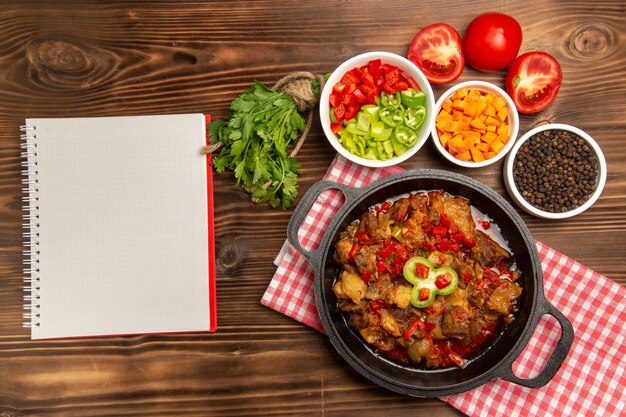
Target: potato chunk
350, 285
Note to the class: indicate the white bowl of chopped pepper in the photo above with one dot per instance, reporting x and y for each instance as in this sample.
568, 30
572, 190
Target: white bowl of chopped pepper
555, 171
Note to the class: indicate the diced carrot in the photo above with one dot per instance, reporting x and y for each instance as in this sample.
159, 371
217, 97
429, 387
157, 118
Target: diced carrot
490, 110
503, 138
471, 109
444, 114
462, 93
502, 114
492, 129
445, 137
474, 95
470, 142
464, 156
447, 105
499, 103
452, 126
489, 137
477, 156
478, 124
483, 146
492, 121
496, 145
490, 154
503, 129
481, 106
459, 104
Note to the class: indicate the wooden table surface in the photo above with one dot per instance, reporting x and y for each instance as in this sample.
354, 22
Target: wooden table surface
89, 58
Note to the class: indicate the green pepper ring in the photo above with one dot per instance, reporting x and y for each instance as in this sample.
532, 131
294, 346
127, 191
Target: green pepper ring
419, 283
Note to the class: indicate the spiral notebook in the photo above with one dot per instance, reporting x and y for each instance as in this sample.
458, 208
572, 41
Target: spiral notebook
119, 226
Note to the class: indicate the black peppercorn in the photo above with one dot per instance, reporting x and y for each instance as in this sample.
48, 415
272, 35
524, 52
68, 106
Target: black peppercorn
555, 171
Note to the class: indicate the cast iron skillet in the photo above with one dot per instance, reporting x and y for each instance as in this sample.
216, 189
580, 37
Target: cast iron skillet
496, 361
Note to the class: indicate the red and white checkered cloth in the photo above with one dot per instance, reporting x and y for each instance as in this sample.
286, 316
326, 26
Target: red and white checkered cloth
591, 381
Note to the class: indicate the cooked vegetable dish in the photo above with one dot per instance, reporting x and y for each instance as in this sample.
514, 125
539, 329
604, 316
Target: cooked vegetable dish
424, 282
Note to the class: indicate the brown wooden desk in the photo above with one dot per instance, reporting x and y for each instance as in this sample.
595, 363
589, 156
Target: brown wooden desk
88, 58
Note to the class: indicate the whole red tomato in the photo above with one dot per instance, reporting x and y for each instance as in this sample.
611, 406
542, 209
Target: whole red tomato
533, 81
492, 41
437, 51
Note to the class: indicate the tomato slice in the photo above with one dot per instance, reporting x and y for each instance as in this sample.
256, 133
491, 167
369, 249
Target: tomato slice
533, 81
437, 51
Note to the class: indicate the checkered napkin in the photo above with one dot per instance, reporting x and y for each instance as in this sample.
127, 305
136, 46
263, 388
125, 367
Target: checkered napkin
591, 381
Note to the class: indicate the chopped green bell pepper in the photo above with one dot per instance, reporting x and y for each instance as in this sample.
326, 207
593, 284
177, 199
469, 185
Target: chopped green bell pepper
412, 98
428, 281
414, 117
391, 116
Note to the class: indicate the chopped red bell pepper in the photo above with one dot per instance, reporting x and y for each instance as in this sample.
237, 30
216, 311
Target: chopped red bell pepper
387, 89
336, 127
439, 231
385, 206
400, 86
415, 324
386, 251
469, 242
381, 266
350, 78
366, 276
424, 294
353, 251
443, 219
413, 84
443, 281
444, 245
335, 99
362, 237
376, 69
421, 270
359, 96
351, 111
392, 76
340, 113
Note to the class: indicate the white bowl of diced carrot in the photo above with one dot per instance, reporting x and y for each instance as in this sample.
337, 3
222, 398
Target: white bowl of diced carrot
476, 124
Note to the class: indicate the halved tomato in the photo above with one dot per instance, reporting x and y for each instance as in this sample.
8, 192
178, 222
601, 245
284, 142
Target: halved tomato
533, 81
437, 51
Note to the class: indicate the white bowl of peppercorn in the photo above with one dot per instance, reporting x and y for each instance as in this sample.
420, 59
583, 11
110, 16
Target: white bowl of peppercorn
555, 171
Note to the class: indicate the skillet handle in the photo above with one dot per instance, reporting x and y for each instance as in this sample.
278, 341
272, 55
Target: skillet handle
555, 360
305, 205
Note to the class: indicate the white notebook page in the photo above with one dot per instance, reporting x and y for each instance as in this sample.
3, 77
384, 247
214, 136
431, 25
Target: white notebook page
123, 225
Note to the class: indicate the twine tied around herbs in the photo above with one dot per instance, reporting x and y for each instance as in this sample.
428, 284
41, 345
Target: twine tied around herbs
297, 85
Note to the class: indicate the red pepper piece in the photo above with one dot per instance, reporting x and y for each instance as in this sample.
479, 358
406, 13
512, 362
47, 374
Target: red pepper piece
486, 224
362, 237
398, 354
353, 251
430, 325
466, 277
457, 237
439, 231
335, 99
336, 127
376, 69
443, 219
387, 89
386, 251
430, 246
338, 88
351, 111
340, 113
392, 76
454, 247
357, 72
400, 86
469, 242
368, 79
359, 96
413, 84
381, 266
422, 271
424, 294
378, 304
443, 281
444, 245
385, 206
348, 100
366, 276
415, 324
350, 78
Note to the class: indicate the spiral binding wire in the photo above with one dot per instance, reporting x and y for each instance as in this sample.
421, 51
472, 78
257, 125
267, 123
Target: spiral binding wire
30, 202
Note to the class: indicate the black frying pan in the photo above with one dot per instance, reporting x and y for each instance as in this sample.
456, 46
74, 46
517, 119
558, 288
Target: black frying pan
496, 361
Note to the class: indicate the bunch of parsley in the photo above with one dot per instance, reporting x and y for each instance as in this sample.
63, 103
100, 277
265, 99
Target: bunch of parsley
255, 138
